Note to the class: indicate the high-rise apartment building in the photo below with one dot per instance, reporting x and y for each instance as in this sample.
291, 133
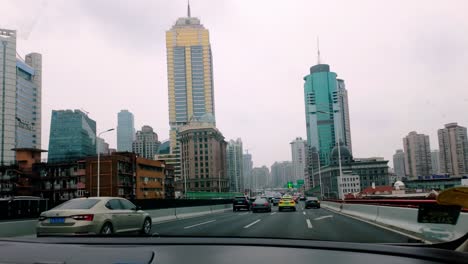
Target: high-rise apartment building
125, 130
327, 113
189, 73
247, 167
435, 161
72, 136
417, 155
20, 94
261, 178
203, 157
234, 165
298, 153
453, 147
399, 163
146, 143
282, 173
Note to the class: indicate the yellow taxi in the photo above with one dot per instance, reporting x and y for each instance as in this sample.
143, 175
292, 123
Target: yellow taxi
287, 202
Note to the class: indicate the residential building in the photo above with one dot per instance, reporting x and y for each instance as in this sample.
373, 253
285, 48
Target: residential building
282, 173
417, 155
102, 146
399, 163
247, 167
203, 156
453, 147
261, 178
125, 131
327, 113
146, 144
72, 136
150, 178
351, 183
189, 73
298, 153
435, 161
234, 165
169, 182
20, 91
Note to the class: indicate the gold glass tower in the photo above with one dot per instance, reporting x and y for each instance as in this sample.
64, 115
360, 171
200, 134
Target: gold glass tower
189, 74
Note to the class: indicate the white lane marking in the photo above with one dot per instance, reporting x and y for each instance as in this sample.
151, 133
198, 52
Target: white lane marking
304, 213
204, 223
273, 213
244, 213
251, 224
309, 224
323, 217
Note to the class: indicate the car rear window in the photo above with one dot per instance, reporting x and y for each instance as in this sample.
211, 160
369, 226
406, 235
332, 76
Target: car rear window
240, 199
261, 200
78, 204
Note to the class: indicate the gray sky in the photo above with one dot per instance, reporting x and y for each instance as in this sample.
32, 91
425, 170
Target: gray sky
405, 64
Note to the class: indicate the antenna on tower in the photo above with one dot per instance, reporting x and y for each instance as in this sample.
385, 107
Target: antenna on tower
188, 8
318, 50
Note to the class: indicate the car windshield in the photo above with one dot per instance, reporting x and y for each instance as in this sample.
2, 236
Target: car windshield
77, 204
347, 117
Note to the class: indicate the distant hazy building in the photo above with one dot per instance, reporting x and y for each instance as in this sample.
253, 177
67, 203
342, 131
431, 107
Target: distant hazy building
399, 163
146, 144
203, 157
417, 155
260, 177
20, 92
298, 153
189, 73
282, 173
435, 161
102, 146
72, 136
247, 167
234, 165
125, 130
453, 147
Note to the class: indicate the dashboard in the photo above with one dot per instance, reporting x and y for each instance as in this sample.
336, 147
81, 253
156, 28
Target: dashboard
214, 250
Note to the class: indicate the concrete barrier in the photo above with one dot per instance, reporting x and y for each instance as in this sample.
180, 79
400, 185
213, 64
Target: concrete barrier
402, 218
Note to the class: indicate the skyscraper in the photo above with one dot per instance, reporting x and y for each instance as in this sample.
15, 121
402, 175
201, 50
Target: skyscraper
20, 94
281, 173
298, 152
125, 130
247, 166
453, 147
399, 163
189, 73
234, 165
146, 143
261, 177
435, 161
326, 109
72, 136
417, 155
102, 146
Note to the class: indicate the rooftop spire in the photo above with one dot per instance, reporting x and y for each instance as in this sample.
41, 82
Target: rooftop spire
188, 8
318, 50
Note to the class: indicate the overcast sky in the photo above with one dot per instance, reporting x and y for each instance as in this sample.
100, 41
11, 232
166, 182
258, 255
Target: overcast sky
405, 64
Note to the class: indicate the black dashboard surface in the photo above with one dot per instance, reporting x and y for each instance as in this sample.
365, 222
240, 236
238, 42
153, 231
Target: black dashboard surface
214, 250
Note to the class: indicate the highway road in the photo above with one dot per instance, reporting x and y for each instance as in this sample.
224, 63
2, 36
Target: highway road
317, 224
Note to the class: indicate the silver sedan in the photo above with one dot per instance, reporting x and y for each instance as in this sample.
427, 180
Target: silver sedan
94, 215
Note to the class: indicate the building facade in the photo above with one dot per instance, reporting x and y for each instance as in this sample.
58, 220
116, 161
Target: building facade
326, 109
247, 167
453, 147
20, 92
72, 136
435, 161
298, 153
417, 155
190, 73
399, 163
146, 143
125, 131
261, 178
150, 179
102, 146
203, 157
234, 165
282, 173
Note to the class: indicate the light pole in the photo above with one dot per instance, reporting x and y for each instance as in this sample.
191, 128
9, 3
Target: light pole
337, 139
99, 163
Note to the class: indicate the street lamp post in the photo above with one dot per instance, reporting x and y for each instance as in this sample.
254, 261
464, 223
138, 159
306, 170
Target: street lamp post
99, 164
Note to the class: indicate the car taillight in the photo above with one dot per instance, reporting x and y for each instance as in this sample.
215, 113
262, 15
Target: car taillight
86, 217
254, 204
266, 204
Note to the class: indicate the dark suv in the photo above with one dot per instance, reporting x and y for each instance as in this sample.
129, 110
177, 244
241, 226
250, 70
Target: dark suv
240, 202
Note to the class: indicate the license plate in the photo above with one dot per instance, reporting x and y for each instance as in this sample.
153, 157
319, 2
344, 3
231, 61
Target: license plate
240, 202
57, 220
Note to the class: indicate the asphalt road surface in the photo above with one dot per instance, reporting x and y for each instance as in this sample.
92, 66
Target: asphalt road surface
317, 224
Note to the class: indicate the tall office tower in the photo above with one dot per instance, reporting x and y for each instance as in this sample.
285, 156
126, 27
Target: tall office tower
125, 130
235, 165
298, 153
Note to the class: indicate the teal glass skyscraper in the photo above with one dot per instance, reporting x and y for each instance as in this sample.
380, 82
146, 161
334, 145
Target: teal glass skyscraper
326, 110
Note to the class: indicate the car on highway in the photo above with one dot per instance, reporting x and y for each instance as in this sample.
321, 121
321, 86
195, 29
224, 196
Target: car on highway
261, 204
302, 198
94, 215
287, 202
276, 201
241, 202
312, 202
